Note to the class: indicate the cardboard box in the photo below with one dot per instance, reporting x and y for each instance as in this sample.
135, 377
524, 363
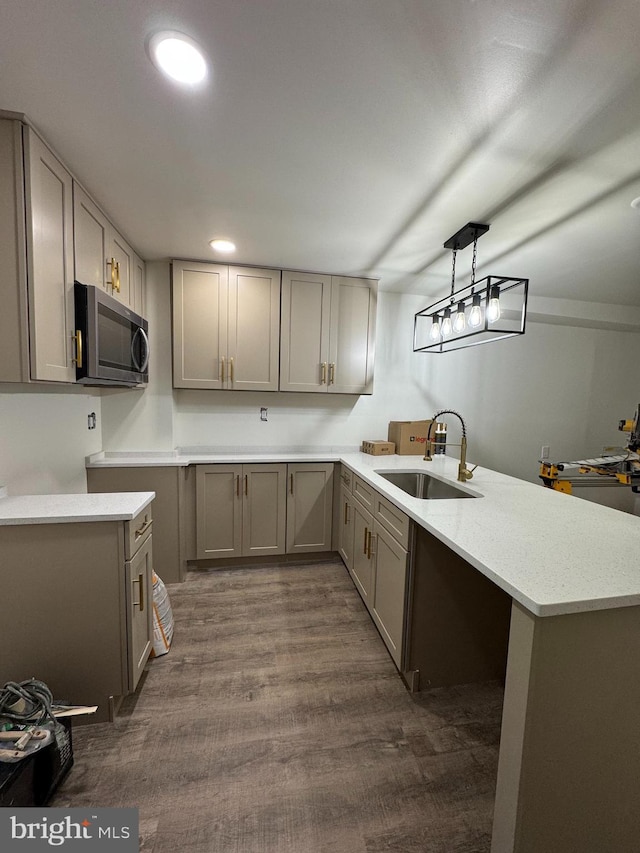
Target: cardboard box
379, 448
409, 437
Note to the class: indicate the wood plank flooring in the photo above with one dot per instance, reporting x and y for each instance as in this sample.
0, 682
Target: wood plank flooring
279, 724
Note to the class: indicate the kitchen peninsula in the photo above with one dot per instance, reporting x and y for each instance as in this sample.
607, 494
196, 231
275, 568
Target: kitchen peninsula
568, 769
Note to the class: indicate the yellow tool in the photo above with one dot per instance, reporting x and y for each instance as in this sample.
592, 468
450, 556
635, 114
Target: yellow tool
618, 466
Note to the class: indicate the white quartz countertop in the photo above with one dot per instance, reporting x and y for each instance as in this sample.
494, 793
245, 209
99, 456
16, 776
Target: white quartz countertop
61, 509
194, 456
553, 553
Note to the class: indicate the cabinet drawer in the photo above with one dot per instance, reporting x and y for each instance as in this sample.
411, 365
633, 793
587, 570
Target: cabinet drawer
346, 478
392, 519
364, 493
136, 531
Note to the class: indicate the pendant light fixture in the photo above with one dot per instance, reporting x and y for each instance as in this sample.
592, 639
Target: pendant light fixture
480, 312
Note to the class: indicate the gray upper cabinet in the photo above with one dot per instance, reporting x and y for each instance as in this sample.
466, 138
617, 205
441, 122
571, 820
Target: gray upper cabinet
91, 240
51, 233
199, 304
36, 253
352, 335
138, 292
49, 262
306, 315
120, 263
328, 333
102, 256
226, 327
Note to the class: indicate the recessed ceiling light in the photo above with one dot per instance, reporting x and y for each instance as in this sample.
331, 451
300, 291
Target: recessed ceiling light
636, 203
178, 56
225, 246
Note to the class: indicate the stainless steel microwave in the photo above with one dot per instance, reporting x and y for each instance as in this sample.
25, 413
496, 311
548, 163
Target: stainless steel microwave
112, 341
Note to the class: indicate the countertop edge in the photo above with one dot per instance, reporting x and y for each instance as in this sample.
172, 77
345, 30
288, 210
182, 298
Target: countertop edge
76, 516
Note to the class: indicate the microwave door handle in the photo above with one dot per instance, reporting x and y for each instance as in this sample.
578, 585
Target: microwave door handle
145, 362
140, 367
133, 350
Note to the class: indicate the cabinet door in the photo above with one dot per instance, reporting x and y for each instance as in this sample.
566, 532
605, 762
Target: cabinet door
345, 533
14, 317
139, 581
90, 240
218, 511
138, 285
306, 314
200, 293
389, 590
362, 566
264, 509
49, 262
254, 329
120, 262
309, 507
352, 343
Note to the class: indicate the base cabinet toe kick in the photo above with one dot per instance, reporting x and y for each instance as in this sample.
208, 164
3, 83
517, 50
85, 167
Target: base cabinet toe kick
81, 615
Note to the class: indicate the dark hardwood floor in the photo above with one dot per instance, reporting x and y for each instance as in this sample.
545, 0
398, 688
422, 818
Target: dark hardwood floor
279, 724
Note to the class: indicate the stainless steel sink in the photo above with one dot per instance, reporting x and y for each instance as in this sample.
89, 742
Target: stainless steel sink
418, 484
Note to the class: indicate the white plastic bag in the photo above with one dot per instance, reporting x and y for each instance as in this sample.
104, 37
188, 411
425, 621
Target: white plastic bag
162, 618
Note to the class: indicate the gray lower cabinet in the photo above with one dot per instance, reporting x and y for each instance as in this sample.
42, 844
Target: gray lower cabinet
362, 567
374, 544
263, 509
389, 592
345, 527
172, 510
81, 608
139, 586
240, 510
309, 506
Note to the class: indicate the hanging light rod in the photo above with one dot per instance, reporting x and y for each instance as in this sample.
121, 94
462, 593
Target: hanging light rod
490, 309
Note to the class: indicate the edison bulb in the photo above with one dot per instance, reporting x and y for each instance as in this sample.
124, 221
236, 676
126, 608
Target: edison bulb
475, 316
459, 320
446, 323
493, 308
434, 331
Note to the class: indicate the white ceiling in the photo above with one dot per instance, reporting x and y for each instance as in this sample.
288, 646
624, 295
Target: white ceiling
353, 136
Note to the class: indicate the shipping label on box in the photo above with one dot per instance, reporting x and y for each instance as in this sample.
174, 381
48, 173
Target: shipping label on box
409, 437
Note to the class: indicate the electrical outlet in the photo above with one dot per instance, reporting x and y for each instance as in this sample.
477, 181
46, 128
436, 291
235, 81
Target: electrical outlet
263, 413
544, 452
91, 420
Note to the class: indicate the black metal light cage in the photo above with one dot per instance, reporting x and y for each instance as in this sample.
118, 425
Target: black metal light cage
506, 297
513, 311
